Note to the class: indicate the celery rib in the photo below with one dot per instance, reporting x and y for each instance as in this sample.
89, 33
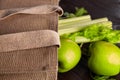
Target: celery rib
74, 19
80, 26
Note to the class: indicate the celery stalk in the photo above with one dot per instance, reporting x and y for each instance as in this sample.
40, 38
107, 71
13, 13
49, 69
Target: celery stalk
80, 26
81, 39
94, 32
76, 24
64, 22
66, 25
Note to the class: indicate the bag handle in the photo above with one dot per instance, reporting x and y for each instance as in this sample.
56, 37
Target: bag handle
28, 40
42, 9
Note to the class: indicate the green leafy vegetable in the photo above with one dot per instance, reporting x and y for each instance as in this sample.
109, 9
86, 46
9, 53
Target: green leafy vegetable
83, 29
78, 12
113, 36
103, 78
77, 26
95, 32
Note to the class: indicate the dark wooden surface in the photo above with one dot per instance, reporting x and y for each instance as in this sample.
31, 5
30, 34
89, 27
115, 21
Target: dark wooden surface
80, 72
97, 9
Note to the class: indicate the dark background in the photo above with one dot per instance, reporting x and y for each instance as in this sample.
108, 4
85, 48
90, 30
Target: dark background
97, 9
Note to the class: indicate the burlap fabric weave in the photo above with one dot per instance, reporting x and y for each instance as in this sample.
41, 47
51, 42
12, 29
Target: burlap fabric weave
29, 39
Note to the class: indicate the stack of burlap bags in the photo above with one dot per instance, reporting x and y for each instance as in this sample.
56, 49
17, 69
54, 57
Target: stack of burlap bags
29, 39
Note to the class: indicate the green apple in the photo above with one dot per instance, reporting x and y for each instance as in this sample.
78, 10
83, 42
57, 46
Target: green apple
104, 59
69, 55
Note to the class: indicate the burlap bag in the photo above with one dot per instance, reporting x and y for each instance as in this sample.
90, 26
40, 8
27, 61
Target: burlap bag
28, 39
8, 4
29, 19
29, 55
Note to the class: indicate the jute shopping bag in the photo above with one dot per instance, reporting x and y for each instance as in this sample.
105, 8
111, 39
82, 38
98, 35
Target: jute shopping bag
29, 55
8, 4
29, 19
25, 53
